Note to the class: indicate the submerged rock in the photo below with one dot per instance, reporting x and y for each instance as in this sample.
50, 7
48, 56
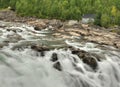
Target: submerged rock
38, 27
57, 66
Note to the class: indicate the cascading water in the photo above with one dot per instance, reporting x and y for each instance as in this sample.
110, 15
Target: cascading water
27, 68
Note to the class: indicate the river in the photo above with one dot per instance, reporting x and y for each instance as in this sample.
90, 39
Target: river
24, 67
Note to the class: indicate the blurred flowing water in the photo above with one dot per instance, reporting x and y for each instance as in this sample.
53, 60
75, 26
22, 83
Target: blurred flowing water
27, 68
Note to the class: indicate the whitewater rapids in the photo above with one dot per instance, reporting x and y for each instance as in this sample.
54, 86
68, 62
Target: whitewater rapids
27, 68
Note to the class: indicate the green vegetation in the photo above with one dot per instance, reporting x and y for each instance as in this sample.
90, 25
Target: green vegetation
107, 11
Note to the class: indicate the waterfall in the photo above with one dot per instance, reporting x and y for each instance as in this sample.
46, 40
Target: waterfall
27, 68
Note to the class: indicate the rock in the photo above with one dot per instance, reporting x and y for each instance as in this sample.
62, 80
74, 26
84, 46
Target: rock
74, 33
14, 30
54, 57
42, 53
39, 27
39, 48
56, 24
90, 61
88, 58
57, 66
38, 24
72, 22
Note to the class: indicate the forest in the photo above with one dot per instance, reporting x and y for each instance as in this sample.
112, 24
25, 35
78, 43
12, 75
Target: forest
107, 11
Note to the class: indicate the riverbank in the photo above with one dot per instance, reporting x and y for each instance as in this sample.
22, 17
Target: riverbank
66, 29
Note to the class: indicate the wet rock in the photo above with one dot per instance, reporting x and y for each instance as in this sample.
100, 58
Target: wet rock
88, 58
54, 57
57, 66
38, 25
39, 48
37, 28
42, 53
56, 24
90, 61
14, 30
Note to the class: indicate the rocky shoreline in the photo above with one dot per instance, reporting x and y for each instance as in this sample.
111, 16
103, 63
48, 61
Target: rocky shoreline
65, 29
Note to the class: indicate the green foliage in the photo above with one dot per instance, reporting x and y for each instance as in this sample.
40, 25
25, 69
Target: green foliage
107, 11
105, 20
98, 19
4, 3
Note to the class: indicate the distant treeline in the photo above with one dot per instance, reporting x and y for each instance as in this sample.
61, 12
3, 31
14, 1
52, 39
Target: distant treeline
107, 11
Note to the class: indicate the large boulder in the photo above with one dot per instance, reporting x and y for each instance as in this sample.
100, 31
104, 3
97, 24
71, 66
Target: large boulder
88, 58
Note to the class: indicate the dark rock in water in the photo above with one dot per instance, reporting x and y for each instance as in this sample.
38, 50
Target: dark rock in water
42, 53
88, 58
57, 66
75, 60
75, 51
40, 49
14, 30
91, 62
54, 57
56, 24
39, 27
